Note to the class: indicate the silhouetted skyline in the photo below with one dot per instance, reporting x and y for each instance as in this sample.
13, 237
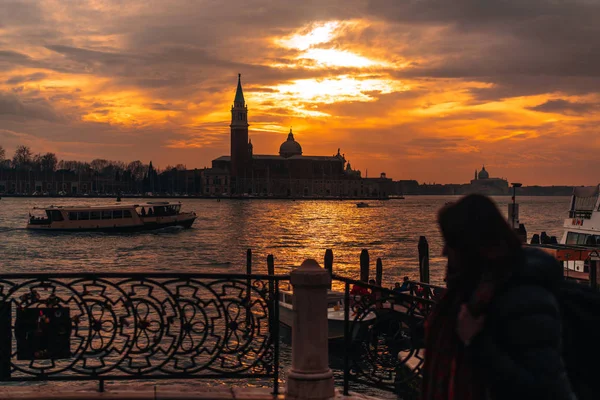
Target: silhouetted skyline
424, 90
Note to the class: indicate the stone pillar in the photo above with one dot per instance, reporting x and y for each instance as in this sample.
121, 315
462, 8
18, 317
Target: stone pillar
310, 376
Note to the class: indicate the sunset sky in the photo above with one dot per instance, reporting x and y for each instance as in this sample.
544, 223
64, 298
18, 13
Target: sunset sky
421, 89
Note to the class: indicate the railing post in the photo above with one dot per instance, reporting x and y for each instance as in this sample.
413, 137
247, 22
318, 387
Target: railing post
310, 376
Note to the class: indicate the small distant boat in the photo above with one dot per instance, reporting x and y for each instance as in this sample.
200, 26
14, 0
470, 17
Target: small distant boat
110, 218
362, 204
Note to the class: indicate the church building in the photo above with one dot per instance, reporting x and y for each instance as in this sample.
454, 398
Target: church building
287, 174
483, 184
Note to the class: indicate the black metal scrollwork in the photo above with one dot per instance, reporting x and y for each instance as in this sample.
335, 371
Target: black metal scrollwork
384, 334
155, 326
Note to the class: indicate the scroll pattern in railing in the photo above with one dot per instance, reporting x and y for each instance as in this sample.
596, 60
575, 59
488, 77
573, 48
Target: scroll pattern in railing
384, 333
138, 326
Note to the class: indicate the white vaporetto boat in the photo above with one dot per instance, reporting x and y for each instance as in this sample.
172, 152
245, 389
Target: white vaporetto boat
110, 218
583, 225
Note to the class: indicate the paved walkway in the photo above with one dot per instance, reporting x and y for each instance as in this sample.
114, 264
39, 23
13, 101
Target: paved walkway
159, 392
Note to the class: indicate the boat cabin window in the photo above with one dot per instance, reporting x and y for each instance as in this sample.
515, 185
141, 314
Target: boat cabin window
54, 215
106, 214
83, 215
95, 215
118, 214
126, 214
582, 238
73, 216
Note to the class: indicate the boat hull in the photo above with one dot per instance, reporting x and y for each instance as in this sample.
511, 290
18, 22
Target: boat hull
335, 326
145, 226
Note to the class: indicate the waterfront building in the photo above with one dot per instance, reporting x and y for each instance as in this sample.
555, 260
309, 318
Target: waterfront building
290, 173
483, 184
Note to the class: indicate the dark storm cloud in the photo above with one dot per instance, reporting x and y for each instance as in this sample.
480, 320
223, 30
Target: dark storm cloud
562, 106
498, 41
12, 105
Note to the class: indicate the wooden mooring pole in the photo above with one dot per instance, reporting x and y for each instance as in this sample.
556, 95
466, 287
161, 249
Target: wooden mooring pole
270, 264
423, 259
379, 272
364, 265
329, 261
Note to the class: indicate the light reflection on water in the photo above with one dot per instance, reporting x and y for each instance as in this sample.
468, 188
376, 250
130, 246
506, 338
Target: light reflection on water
290, 230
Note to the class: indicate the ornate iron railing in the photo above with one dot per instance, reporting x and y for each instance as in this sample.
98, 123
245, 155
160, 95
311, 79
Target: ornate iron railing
116, 326
384, 332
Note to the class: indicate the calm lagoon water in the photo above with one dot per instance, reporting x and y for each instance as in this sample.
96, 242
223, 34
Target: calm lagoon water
290, 230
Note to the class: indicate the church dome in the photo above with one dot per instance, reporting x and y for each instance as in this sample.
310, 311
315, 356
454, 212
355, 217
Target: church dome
290, 147
483, 174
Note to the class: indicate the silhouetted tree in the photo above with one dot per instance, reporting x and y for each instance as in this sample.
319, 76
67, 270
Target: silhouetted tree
22, 158
49, 162
75, 166
4, 163
137, 169
99, 164
36, 162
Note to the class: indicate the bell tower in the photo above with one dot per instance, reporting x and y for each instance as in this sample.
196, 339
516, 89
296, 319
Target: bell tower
239, 135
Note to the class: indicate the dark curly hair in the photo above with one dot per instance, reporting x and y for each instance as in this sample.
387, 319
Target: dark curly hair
489, 249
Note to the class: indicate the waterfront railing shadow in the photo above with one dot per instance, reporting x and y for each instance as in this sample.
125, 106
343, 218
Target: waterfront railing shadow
123, 326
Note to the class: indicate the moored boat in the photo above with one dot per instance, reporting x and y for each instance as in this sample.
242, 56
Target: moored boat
110, 218
335, 315
582, 227
580, 241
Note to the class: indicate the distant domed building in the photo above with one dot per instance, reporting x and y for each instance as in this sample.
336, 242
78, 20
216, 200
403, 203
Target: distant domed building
288, 174
485, 185
483, 174
290, 147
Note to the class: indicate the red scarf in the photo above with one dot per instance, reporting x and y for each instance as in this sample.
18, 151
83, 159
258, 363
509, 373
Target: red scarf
447, 372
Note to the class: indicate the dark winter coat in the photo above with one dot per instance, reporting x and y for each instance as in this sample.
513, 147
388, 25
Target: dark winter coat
518, 352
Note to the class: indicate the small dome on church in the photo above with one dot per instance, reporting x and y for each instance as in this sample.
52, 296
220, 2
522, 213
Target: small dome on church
290, 147
483, 174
